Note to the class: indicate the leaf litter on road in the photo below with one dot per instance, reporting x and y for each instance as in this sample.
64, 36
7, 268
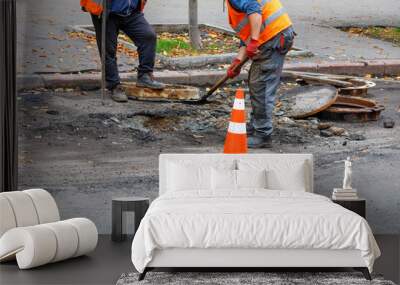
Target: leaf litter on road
176, 44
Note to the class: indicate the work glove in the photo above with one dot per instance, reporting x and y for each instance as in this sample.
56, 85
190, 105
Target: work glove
232, 70
252, 48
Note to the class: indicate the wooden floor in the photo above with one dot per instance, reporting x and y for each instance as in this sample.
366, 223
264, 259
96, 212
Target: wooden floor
110, 260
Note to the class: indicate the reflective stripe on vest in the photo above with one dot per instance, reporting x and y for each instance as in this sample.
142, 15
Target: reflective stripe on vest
245, 20
94, 7
274, 20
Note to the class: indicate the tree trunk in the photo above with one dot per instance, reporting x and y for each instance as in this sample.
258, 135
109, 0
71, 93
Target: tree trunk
194, 32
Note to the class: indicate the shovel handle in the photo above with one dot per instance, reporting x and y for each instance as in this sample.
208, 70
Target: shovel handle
224, 79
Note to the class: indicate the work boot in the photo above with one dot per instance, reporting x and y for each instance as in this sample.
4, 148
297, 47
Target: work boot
259, 142
249, 128
147, 81
118, 95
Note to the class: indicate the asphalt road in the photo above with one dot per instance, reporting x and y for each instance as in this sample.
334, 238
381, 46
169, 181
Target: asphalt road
84, 155
41, 27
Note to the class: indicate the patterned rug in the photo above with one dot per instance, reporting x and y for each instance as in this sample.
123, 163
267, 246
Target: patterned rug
244, 278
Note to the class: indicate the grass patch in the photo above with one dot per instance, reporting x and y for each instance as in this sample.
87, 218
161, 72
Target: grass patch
389, 34
177, 44
174, 44
165, 46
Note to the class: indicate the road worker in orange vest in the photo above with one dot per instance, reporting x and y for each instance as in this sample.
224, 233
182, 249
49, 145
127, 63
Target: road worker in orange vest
266, 34
126, 16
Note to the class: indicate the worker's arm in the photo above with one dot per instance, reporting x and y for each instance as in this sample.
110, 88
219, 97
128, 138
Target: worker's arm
255, 20
252, 45
253, 10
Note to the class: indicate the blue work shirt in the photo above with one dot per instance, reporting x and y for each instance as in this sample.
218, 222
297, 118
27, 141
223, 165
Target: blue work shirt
123, 7
246, 6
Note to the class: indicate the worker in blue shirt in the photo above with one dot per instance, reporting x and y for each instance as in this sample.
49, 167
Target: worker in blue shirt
266, 34
126, 16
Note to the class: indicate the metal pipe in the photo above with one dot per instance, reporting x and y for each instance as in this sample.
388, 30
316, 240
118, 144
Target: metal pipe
103, 50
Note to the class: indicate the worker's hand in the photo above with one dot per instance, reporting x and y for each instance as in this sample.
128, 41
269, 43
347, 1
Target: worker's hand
252, 48
232, 70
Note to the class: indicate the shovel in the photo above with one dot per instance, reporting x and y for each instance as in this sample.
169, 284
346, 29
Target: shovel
202, 100
103, 50
221, 82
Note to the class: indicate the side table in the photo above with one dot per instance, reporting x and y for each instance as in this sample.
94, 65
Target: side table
357, 206
138, 205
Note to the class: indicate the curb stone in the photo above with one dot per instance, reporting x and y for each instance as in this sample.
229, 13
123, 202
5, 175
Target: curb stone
381, 67
378, 67
31, 81
187, 62
84, 81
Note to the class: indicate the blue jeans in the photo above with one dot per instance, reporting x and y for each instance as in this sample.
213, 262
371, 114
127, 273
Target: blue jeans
264, 79
139, 31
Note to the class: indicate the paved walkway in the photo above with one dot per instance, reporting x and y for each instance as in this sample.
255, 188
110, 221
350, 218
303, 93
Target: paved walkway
45, 47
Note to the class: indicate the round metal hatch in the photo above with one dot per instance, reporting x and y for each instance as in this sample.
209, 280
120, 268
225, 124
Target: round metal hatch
305, 101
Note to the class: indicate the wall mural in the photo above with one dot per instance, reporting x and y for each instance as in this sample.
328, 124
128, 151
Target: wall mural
83, 146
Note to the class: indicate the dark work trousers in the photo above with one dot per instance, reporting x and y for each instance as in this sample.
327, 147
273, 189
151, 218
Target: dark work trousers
264, 79
139, 31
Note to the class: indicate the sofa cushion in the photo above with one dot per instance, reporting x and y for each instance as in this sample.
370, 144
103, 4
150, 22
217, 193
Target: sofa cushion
27, 208
7, 220
45, 205
67, 240
23, 208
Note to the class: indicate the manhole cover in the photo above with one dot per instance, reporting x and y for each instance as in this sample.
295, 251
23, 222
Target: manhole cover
170, 93
351, 108
305, 101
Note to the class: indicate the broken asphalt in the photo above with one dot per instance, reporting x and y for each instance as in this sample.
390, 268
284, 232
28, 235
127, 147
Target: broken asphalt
82, 150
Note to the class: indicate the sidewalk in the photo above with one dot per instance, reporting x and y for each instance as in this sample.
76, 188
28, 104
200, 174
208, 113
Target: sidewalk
381, 67
44, 46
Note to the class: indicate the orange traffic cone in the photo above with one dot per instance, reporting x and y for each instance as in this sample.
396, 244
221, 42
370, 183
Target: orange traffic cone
236, 138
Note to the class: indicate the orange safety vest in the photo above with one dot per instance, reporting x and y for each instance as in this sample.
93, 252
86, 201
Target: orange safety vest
94, 7
274, 20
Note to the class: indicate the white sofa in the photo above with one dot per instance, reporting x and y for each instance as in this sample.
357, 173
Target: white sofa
31, 231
